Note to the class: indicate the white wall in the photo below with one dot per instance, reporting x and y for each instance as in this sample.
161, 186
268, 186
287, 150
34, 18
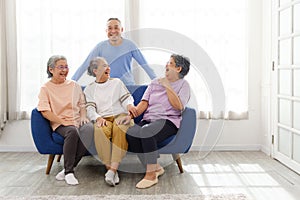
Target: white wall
266, 80
17, 137
251, 134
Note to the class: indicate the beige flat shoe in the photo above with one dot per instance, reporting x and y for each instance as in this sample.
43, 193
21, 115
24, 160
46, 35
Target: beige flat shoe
144, 183
160, 172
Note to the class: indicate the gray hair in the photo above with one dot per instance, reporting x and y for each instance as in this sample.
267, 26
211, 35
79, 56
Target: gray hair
114, 18
94, 63
52, 62
183, 62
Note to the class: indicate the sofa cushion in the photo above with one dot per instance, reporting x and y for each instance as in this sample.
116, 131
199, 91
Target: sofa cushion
166, 141
57, 138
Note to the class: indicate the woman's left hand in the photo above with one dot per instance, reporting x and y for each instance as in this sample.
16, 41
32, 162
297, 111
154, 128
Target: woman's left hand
164, 82
132, 110
84, 120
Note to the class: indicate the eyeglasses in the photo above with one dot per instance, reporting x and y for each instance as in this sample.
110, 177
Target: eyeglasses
104, 65
61, 67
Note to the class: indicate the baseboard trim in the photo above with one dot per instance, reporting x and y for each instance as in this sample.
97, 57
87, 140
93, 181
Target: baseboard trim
266, 150
18, 149
256, 147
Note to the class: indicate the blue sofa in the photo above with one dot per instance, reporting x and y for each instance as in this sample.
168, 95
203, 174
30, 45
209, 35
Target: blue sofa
51, 143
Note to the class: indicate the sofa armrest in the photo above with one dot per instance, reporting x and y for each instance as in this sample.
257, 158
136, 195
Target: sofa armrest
185, 135
42, 134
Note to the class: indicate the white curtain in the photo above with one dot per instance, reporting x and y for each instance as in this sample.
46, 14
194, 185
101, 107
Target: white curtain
67, 27
9, 76
3, 91
73, 27
219, 27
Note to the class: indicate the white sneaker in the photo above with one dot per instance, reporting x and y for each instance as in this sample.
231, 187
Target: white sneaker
71, 180
116, 178
61, 175
109, 178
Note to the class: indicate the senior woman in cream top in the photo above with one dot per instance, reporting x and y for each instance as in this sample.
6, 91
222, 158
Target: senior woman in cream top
108, 104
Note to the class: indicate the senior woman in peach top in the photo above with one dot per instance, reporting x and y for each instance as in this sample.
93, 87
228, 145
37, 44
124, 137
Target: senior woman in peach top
62, 102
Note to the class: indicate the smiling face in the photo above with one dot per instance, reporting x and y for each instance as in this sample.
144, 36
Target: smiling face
172, 72
102, 72
114, 30
59, 71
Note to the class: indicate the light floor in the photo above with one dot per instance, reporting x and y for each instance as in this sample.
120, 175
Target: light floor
251, 173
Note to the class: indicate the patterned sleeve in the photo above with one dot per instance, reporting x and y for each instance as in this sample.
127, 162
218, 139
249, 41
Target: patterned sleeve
91, 107
125, 96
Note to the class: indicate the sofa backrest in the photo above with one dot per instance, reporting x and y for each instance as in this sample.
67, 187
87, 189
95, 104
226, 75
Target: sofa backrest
137, 92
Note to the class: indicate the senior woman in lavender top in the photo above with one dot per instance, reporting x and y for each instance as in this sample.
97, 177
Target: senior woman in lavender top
162, 105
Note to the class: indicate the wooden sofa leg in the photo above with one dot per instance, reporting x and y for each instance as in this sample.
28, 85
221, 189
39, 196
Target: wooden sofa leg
176, 157
50, 162
58, 158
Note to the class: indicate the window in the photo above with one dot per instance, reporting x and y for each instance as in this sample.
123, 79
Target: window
48, 27
219, 27
73, 28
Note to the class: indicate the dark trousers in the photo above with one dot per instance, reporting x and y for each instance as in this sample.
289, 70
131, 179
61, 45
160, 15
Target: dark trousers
76, 143
144, 137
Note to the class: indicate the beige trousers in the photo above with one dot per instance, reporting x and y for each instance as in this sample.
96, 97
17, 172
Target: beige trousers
110, 140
